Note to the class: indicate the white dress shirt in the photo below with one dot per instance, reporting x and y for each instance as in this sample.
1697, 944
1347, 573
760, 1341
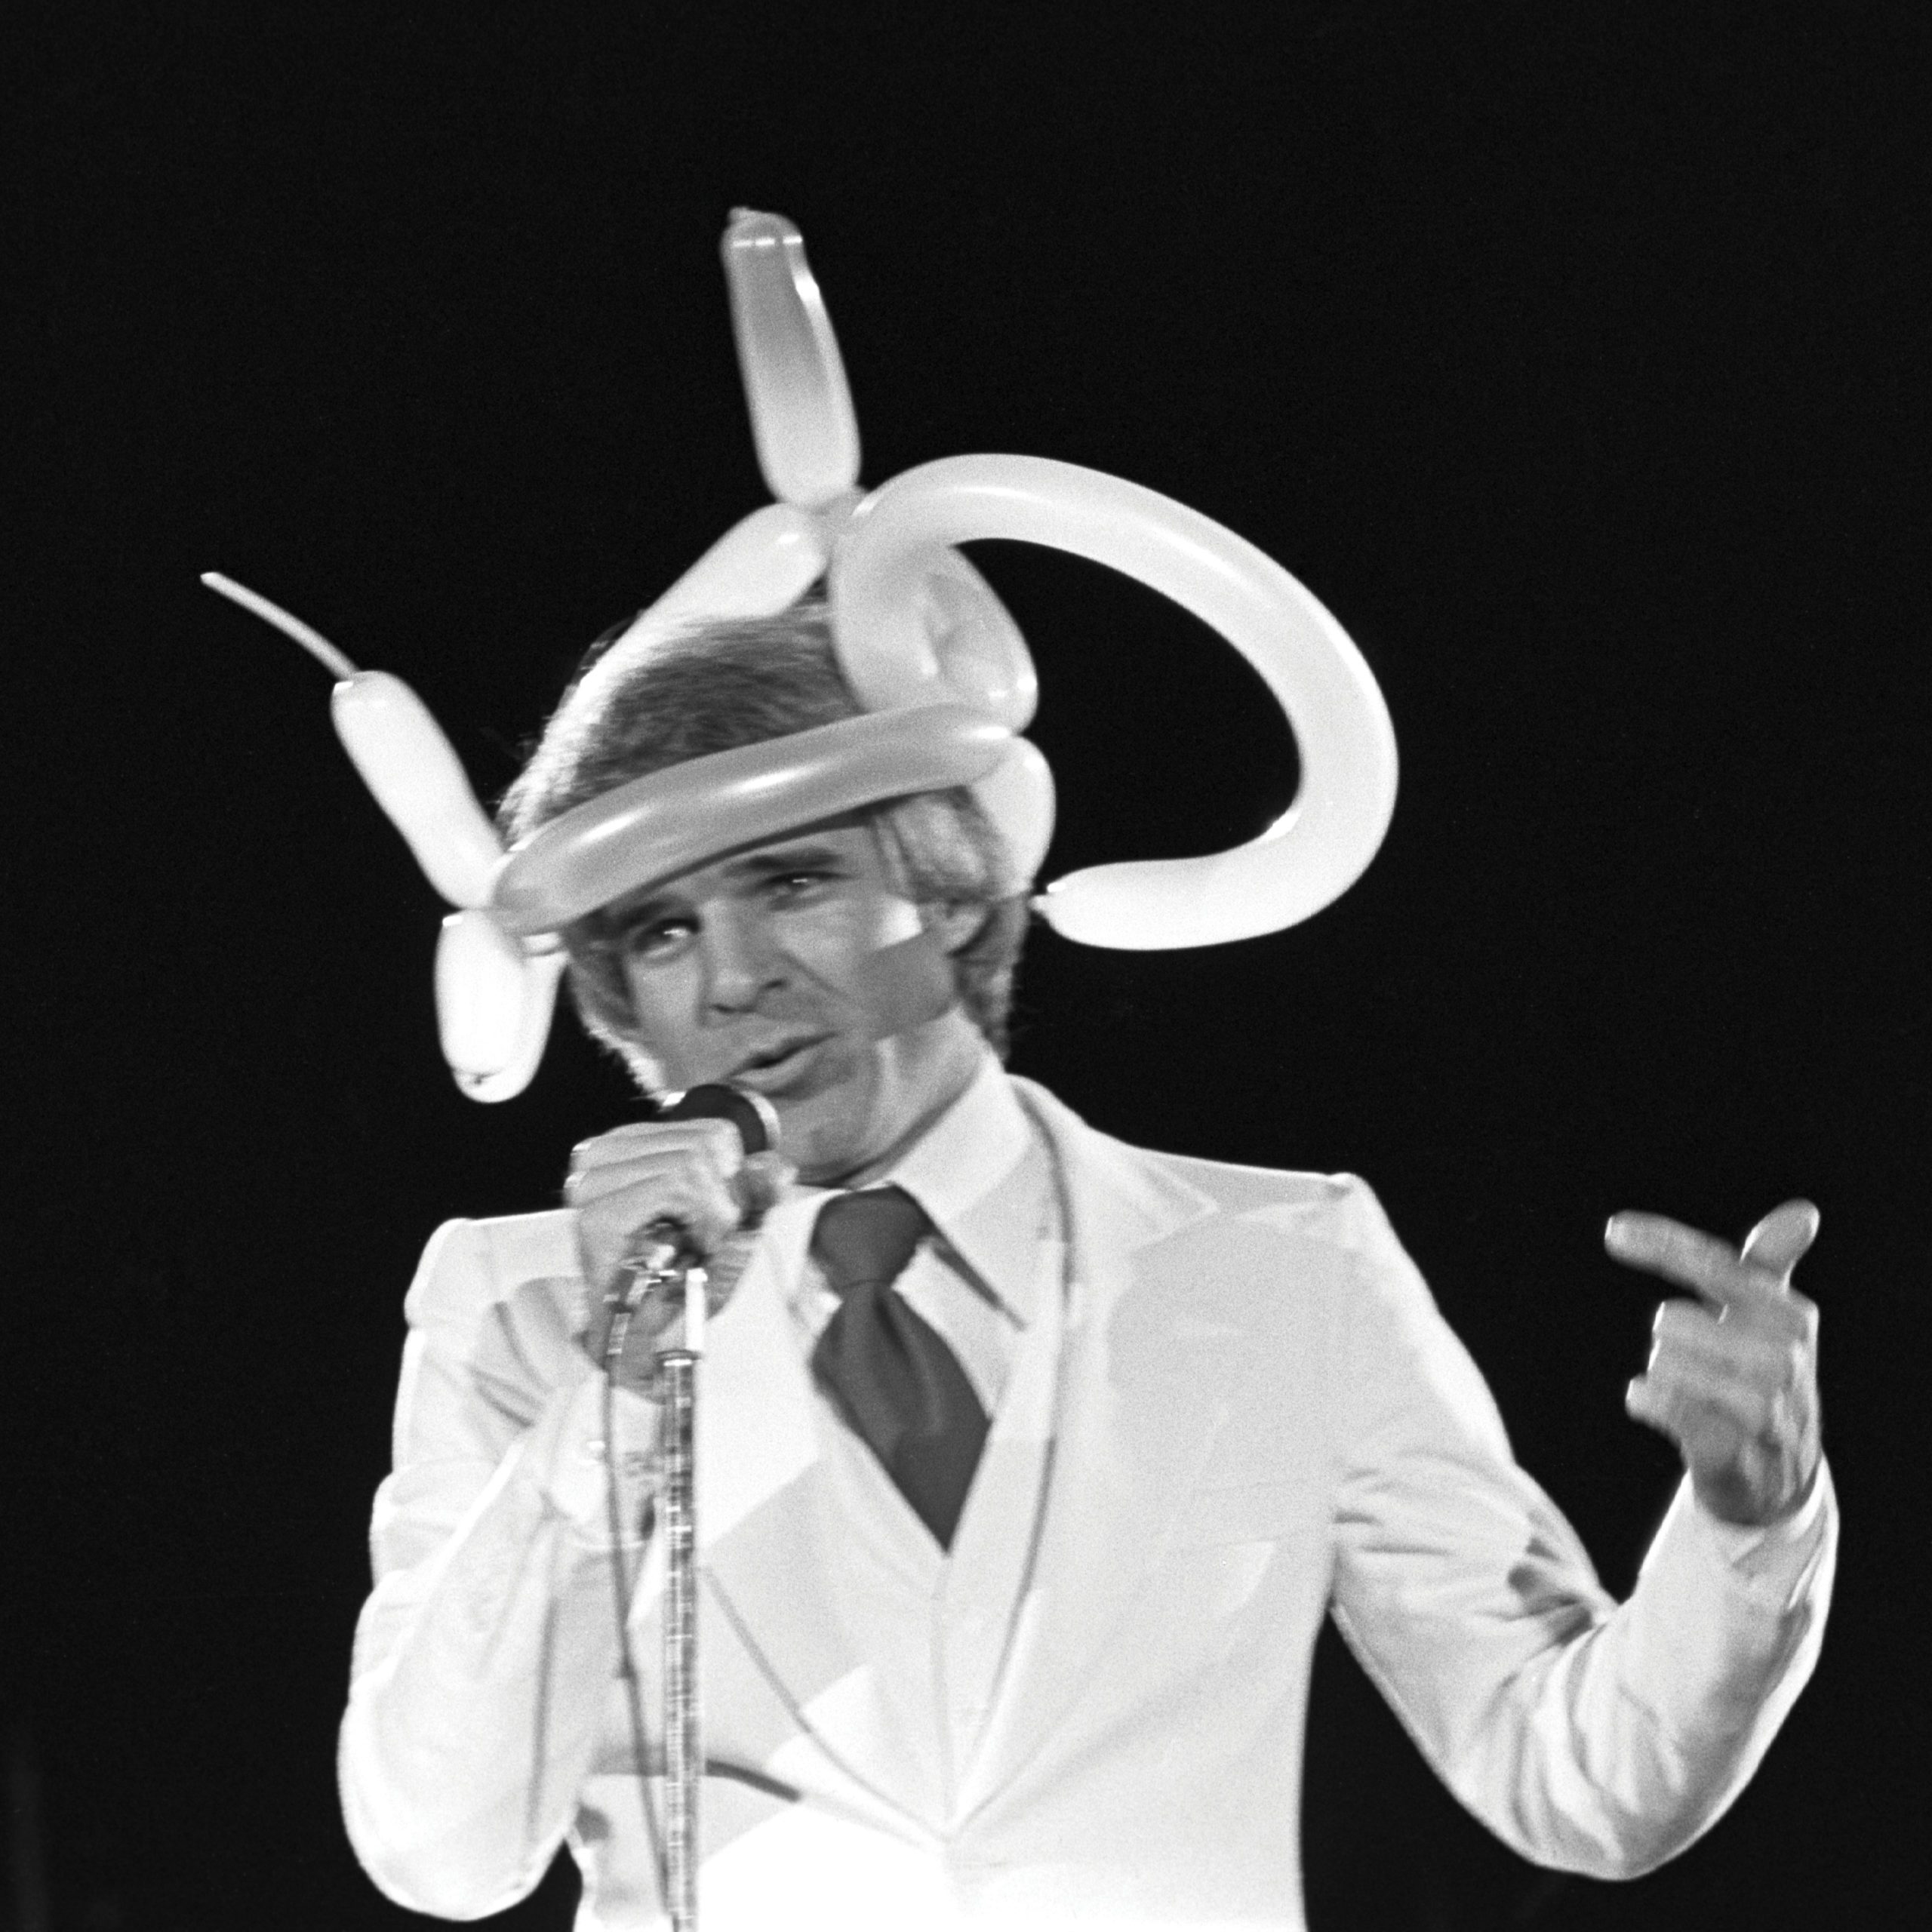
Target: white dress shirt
985, 1182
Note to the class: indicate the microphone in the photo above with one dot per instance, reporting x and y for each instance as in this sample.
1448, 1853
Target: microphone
664, 1247
752, 1114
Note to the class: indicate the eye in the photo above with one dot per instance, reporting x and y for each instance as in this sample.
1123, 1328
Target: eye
656, 939
789, 888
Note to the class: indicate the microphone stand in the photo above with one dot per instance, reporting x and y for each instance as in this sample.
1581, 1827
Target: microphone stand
663, 1274
663, 1268
684, 1745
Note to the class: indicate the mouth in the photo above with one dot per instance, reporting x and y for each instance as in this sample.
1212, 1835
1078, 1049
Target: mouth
773, 1069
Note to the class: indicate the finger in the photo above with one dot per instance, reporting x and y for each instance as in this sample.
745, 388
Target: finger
599, 1166
1717, 1452
700, 1203
1707, 1438
1768, 1363
701, 1126
759, 1185
644, 1137
1772, 1358
1768, 1328
1650, 1402
615, 1208
1690, 1258
686, 1168
1780, 1241
1702, 1404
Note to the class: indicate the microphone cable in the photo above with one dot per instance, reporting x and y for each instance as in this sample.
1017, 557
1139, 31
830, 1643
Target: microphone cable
757, 1124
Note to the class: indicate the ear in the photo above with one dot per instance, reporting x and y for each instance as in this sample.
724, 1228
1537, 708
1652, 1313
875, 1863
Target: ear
956, 926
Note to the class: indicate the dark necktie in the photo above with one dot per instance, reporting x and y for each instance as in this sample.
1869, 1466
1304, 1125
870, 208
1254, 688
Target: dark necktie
895, 1381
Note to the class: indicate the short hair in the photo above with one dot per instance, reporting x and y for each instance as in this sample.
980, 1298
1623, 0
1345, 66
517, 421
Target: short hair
641, 704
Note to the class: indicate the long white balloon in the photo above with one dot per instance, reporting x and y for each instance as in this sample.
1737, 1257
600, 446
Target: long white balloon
968, 650
540, 979
802, 422
916, 625
418, 780
494, 1003
307, 635
1018, 796
1308, 856
654, 827
404, 759
762, 564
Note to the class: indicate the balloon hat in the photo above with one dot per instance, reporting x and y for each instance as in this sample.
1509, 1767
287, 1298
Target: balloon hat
940, 669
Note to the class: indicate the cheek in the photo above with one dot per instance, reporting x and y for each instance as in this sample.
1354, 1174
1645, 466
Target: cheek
824, 1130
842, 1083
664, 1026
839, 957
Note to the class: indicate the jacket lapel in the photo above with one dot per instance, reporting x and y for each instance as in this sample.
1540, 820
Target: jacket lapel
756, 1437
1149, 1371
993, 1554
771, 1537
1132, 1399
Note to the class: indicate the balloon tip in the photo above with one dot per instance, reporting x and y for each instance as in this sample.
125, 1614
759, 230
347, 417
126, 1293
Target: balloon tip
759, 226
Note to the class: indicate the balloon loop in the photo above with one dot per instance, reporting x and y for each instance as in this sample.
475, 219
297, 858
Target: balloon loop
943, 675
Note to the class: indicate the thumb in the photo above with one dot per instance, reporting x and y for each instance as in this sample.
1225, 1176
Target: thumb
758, 1185
1778, 1241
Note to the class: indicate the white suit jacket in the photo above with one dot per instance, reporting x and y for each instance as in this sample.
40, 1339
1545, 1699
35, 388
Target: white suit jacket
1246, 1415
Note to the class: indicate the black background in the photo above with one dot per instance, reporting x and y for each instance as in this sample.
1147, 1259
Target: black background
1571, 354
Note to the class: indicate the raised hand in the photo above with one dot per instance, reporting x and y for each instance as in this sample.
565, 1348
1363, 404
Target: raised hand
693, 1172
1733, 1376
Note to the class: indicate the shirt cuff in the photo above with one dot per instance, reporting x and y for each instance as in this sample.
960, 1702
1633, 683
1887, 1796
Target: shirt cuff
1774, 1560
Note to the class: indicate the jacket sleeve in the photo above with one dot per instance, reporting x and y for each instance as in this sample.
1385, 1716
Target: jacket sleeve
484, 1656
1590, 1736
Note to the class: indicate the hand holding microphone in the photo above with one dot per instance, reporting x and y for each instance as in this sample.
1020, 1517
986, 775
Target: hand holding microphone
691, 1187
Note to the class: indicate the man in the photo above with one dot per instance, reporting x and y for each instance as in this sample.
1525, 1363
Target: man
1022, 1504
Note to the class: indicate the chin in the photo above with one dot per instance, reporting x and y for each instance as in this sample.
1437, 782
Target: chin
824, 1137
822, 1132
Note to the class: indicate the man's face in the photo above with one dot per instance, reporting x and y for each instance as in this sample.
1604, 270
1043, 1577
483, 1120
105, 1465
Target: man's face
770, 968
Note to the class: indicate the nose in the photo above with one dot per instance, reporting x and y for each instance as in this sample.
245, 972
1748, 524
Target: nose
742, 961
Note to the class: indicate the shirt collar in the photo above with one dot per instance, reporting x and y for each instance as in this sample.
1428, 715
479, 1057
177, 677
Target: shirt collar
979, 1172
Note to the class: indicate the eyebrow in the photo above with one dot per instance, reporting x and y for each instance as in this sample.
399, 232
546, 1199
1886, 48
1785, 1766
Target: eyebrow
788, 859
759, 865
